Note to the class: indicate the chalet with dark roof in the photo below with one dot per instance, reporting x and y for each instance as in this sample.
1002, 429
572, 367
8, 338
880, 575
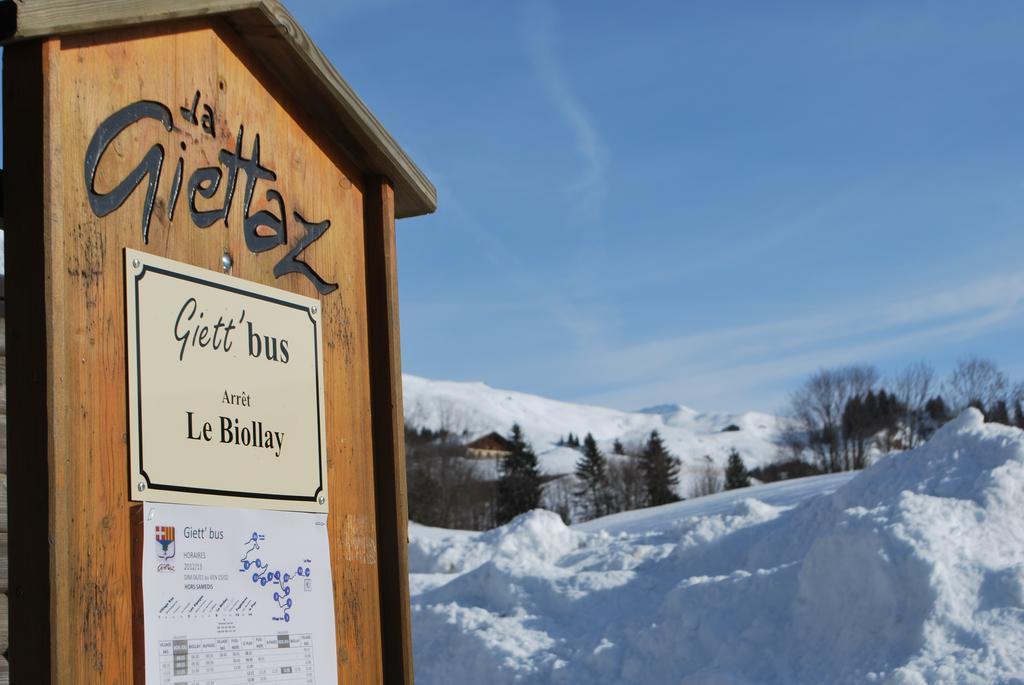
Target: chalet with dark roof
491, 446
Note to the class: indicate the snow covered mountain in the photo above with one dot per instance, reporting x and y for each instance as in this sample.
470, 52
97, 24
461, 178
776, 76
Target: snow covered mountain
690, 435
907, 573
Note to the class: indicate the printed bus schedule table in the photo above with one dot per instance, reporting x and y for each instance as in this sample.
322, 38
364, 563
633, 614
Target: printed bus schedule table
278, 659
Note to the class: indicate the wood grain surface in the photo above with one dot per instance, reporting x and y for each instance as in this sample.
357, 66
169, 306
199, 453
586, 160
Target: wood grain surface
73, 439
388, 428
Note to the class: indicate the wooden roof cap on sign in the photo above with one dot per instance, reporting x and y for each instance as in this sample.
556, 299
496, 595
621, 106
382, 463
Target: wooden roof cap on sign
284, 49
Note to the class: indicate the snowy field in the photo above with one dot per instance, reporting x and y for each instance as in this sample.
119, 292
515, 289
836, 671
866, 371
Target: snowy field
688, 434
910, 572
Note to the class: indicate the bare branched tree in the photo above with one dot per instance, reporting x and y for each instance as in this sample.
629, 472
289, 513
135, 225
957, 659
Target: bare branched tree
558, 497
913, 387
791, 441
451, 420
709, 479
444, 488
817, 411
633, 447
627, 482
976, 381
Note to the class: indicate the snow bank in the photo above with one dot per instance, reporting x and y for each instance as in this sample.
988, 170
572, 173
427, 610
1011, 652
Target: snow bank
911, 572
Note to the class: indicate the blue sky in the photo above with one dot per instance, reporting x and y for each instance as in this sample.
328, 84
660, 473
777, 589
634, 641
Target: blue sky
698, 202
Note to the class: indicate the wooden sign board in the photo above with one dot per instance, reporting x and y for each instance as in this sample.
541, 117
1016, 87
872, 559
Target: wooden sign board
210, 134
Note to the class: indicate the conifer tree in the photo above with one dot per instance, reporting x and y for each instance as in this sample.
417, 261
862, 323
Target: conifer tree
617, 447
736, 474
519, 482
594, 494
937, 411
1018, 415
660, 472
999, 413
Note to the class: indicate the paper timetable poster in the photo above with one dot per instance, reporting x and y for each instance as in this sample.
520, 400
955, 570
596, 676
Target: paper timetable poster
237, 596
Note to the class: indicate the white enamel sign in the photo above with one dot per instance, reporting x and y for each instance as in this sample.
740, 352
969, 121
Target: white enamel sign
225, 389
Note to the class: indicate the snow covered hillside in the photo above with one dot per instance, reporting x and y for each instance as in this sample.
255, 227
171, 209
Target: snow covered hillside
479, 409
910, 572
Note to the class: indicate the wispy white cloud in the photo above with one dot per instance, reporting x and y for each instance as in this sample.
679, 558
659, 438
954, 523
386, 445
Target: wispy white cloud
590, 188
715, 367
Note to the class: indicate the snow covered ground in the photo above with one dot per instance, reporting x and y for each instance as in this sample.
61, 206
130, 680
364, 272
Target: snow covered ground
910, 572
478, 409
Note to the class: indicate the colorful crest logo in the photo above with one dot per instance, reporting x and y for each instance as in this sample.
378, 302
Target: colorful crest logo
165, 542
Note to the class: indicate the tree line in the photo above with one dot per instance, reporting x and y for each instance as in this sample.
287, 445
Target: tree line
646, 478
840, 418
449, 491
444, 489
